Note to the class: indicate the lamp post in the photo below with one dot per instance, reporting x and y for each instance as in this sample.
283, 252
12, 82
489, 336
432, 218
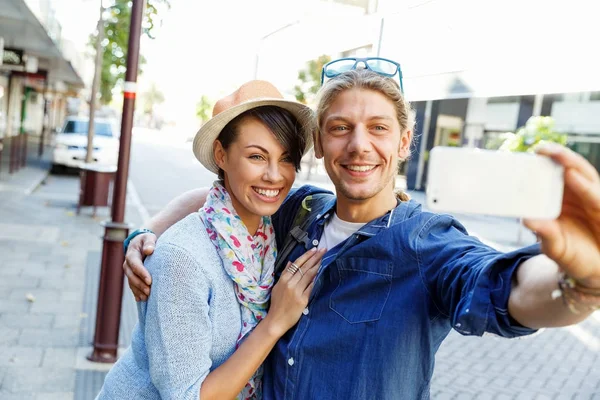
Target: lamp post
110, 292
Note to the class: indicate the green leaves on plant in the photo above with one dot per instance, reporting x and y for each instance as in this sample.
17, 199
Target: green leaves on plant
116, 40
310, 80
537, 130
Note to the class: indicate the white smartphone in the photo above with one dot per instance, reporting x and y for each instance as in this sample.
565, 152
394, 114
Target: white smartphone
497, 183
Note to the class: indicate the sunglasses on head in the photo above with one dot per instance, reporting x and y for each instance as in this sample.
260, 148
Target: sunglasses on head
381, 66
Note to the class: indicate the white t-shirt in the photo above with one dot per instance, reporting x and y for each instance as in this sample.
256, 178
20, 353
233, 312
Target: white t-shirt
336, 231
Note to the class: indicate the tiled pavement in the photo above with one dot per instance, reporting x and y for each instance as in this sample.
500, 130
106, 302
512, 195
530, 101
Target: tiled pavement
49, 266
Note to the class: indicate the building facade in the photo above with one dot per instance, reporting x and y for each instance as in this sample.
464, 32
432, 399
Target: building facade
471, 69
36, 78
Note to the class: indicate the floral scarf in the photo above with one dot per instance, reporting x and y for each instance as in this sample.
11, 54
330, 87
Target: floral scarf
248, 260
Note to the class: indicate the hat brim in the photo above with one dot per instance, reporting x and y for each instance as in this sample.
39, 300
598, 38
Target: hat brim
208, 133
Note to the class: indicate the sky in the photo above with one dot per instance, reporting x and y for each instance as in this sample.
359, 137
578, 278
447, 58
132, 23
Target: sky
201, 48
209, 47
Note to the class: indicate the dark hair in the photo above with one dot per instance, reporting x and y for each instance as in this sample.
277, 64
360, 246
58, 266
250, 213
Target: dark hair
282, 123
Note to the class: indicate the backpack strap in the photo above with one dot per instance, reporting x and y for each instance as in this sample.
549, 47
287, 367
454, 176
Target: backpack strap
305, 216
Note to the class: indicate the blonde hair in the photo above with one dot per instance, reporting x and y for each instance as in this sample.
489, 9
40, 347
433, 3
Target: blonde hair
368, 80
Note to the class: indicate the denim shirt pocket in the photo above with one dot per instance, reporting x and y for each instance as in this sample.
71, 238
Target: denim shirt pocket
363, 288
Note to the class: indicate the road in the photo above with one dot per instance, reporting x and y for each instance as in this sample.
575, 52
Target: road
556, 364
160, 169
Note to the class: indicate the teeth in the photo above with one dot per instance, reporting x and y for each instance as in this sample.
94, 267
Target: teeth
267, 193
360, 168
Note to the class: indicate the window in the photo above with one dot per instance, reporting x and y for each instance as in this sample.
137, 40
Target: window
81, 128
595, 96
576, 97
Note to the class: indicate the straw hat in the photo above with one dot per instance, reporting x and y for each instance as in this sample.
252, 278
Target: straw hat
250, 95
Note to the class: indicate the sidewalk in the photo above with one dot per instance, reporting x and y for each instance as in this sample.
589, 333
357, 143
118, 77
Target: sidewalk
49, 269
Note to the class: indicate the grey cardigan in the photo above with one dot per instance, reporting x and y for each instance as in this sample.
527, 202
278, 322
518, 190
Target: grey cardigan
189, 325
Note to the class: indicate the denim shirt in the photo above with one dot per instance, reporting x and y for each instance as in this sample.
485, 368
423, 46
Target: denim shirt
383, 301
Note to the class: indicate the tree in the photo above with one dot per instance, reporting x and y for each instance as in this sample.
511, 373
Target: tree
310, 80
151, 98
204, 109
117, 18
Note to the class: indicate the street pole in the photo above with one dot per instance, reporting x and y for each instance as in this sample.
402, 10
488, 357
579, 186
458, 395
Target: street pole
262, 39
380, 36
45, 120
95, 84
110, 292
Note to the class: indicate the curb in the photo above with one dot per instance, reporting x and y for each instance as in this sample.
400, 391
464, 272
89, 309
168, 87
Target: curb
37, 183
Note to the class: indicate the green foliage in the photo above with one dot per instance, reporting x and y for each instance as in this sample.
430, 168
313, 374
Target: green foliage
117, 18
151, 98
310, 80
204, 109
537, 130
495, 141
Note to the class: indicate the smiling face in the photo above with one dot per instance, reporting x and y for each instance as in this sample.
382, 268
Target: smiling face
258, 171
361, 142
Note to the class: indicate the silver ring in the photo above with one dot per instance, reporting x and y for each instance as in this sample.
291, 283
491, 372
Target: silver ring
293, 268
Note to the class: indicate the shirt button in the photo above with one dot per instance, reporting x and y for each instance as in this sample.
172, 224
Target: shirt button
305, 311
291, 361
315, 242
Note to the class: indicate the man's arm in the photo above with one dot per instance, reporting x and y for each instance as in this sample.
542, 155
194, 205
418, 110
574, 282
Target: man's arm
483, 290
531, 303
177, 209
570, 244
143, 245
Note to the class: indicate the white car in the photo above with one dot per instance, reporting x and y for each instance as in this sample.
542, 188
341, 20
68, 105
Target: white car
70, 144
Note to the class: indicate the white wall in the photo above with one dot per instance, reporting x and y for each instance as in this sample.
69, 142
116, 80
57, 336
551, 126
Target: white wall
497, 47
577, 117
331, 29
3, 104
35, 114
502, 116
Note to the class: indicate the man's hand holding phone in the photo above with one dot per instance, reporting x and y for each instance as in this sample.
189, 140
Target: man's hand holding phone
559, 200
573, 239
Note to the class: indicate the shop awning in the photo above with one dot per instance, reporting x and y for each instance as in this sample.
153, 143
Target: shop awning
21, 29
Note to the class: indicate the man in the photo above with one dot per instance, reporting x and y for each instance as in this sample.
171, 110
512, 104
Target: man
395, 279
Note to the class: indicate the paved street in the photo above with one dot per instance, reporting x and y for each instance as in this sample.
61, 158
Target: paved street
49, 263
160, 169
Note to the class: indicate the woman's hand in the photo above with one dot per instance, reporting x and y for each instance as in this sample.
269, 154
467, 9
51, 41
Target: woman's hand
573, 239
291, 293
137, 275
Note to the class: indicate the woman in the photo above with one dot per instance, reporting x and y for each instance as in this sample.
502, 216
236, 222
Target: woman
204, 331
